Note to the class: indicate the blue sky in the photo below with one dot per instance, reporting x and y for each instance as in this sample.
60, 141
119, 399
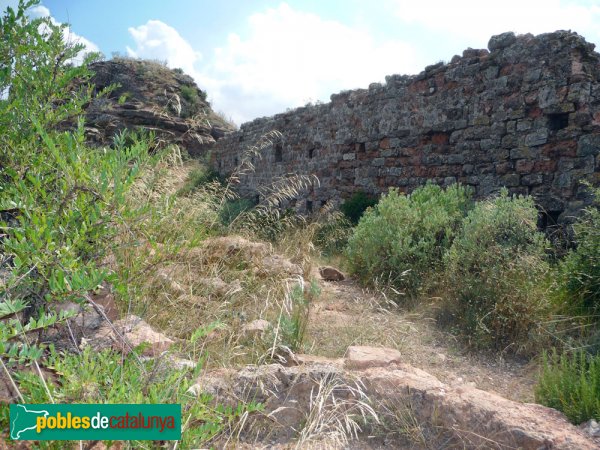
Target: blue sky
261, 57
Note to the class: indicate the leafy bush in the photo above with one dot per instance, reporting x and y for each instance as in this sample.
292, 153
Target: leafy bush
356, 205
495, 270
404, 237
63, 205
571, 384
58, 198
580, 270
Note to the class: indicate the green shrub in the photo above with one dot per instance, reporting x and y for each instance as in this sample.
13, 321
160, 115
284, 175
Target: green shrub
571, 384
404, 237
62, 196
193, 100
293, 324
197, 178
109, 377
232, 209
356, 205
189, 93
580, 270
495, 272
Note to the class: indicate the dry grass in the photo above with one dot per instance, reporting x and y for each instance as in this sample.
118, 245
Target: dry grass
399, 423
347, 315
336, 412
182, 287
402, 425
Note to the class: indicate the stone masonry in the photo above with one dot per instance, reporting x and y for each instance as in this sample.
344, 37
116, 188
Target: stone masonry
524, 115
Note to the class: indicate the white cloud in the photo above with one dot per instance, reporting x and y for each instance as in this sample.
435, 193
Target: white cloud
290, 57
287, 58
39, 11
69, 36
157, 40
478, 20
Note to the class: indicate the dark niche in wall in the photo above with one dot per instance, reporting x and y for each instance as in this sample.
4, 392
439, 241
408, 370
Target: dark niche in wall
558, 121
548, 219
278, 153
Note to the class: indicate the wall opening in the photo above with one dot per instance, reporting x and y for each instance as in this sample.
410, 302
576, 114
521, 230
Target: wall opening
278, 153
311, 153
360, 147
548, 219
558, 121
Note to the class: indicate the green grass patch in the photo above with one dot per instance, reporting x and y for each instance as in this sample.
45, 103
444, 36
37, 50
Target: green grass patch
571, 384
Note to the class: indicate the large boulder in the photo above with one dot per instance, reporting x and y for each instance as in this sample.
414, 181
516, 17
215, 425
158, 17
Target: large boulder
150, 95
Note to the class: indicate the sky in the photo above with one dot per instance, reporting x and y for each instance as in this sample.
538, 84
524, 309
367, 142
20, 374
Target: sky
261, 57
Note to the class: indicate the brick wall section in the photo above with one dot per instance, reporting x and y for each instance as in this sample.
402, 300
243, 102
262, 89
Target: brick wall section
525, 115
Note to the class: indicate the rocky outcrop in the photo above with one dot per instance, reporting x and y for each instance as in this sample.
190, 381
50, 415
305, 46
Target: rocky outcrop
524, 114
128, 333
151, 96
374, 383
260, 255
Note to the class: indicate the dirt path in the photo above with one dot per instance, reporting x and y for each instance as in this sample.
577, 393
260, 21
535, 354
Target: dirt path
347, 315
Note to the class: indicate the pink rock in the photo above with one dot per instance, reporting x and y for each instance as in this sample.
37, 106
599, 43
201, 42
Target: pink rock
359, 357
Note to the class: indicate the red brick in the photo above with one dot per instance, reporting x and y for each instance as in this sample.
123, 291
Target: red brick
440, 138
384, 143
547, 166
524, 166
562, 148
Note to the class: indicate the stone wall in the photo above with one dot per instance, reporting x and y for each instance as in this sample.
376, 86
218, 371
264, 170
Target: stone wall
525, 115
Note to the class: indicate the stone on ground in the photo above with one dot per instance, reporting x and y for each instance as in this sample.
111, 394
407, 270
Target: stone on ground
131, 332
331, 274
363, 357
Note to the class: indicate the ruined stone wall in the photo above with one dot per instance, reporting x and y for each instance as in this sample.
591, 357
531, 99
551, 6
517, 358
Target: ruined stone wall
525, 115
